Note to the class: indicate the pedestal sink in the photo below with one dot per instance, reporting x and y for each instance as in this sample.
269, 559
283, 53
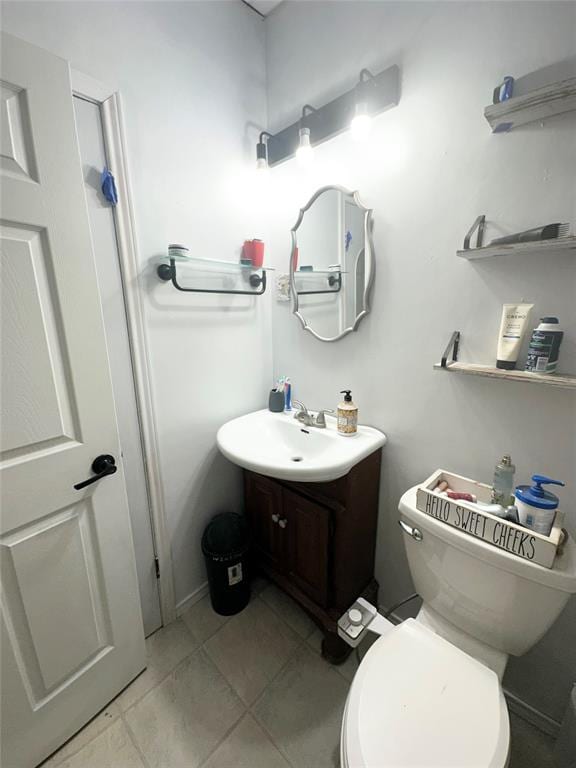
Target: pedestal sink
277, 445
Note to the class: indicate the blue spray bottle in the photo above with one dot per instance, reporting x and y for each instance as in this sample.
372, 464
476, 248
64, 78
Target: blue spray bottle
287, 395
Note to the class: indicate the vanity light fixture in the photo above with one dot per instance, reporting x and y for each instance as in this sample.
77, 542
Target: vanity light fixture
352, 110
261, 152
304, 153
361, 124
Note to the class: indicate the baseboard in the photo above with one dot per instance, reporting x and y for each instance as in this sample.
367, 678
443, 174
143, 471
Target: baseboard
515, 704
532, 715
192, 598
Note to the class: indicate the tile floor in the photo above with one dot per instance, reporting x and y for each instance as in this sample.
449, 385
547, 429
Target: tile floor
249, 691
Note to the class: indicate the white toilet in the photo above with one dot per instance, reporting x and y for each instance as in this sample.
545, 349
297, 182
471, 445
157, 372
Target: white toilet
427, 694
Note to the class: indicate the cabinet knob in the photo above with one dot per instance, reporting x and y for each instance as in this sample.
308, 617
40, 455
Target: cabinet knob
275, 518
283, 523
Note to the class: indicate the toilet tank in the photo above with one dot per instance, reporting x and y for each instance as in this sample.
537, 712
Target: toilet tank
500, 599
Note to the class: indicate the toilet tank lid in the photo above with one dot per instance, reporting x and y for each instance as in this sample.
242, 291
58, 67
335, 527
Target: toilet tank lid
418, 700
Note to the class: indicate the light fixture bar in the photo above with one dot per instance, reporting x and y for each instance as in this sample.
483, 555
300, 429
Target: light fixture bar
382, 92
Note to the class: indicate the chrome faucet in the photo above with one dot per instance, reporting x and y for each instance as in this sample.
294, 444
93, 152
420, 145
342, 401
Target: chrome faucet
302, 415
306, 418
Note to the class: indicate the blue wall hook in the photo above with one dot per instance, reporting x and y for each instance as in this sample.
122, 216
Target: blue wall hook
109, 186
347, 240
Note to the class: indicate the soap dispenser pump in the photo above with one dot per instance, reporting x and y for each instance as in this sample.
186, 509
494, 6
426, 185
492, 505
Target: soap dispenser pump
347, 415
536, 506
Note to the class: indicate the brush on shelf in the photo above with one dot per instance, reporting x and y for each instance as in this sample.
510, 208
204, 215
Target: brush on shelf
548, 232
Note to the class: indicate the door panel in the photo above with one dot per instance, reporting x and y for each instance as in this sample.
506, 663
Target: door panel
308, 531
16, 150
58, 625
37, 412
72, 633
264, 509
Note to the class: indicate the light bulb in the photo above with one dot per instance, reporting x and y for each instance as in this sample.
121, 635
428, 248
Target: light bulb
361, 124
262, 153
304, 153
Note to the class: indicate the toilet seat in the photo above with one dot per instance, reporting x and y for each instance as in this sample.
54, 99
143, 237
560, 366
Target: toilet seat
419, 702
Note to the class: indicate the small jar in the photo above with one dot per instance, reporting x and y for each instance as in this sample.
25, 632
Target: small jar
176, 251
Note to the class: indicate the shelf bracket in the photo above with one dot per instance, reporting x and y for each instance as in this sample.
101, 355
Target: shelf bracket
479, 225
333, 280
451, 348
167, 272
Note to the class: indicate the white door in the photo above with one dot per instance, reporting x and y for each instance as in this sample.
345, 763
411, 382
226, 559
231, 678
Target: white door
72, 632
103, 230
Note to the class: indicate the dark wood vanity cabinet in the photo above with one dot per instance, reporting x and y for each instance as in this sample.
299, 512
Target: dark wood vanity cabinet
317, 541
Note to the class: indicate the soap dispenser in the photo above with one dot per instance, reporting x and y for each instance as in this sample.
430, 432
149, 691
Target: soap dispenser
537, 507
347, 415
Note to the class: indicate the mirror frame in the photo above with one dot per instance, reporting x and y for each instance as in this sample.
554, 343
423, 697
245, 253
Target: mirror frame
370, 262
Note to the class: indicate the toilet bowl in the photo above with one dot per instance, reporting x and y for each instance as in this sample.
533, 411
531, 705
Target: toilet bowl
428, 692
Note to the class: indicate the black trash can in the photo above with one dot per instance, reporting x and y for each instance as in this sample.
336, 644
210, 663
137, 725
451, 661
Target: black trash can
225, 545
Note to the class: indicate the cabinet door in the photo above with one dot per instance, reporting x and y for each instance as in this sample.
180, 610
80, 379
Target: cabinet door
307, 526
264, 510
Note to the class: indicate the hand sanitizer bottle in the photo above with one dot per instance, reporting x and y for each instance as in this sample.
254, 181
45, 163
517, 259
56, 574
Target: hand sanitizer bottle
503, 481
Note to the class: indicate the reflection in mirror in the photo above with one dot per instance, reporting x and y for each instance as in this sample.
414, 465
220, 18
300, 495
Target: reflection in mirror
332, 263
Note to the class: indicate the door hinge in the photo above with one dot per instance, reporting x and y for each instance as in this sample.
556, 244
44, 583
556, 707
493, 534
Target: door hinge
157, 566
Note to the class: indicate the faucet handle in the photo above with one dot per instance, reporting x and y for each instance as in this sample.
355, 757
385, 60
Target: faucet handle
320, 420
302, 410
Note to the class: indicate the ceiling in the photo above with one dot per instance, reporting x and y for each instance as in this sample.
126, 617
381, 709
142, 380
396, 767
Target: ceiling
264, 7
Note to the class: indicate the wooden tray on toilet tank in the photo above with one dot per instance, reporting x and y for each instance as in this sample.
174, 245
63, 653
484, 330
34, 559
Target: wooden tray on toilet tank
519, 541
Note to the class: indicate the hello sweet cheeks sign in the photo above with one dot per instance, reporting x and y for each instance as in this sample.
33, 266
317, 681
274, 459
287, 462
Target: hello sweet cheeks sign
496, 531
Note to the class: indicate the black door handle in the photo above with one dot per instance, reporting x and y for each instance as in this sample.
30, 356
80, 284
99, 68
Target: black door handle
101, 466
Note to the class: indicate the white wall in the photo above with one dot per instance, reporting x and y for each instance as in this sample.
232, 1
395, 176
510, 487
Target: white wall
430, 168
192, 79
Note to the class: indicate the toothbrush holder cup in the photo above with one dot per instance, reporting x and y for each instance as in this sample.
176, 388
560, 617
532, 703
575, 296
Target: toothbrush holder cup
276, 401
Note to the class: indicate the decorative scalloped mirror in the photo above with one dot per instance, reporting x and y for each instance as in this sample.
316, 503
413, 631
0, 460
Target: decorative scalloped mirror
332, 263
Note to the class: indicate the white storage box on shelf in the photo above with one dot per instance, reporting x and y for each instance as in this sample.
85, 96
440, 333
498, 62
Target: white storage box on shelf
468, 517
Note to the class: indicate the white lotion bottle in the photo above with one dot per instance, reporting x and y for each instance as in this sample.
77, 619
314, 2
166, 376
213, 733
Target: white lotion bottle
347, 415
512, 329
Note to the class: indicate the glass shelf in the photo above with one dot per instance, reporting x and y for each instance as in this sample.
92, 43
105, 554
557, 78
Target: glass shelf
332, 276
214, 265
254, 277
319, 272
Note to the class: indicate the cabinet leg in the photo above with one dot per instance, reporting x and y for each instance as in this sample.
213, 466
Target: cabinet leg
334, 649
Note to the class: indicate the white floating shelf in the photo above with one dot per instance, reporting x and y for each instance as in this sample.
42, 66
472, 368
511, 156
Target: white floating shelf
545, 102
543, 247
471, 369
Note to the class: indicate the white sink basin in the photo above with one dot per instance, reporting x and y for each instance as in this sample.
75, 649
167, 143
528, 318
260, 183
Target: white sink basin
277, 445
